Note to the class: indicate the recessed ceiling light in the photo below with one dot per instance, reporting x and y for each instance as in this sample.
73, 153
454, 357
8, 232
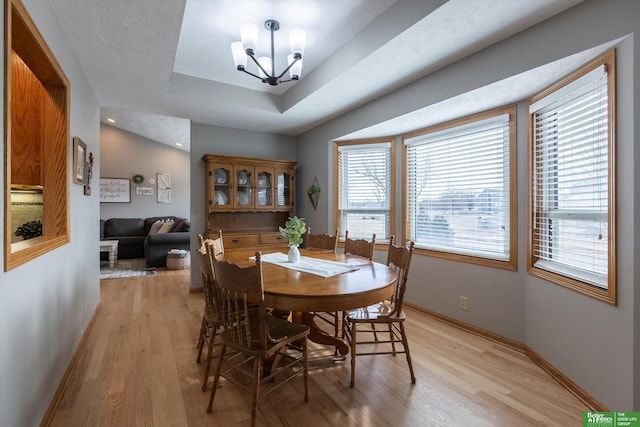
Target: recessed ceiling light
110, 120
178, 144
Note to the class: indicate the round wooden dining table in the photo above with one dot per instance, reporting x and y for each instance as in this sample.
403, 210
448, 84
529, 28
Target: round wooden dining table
304, 293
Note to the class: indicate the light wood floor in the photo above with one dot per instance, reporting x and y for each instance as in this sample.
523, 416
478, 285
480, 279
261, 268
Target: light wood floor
138, 369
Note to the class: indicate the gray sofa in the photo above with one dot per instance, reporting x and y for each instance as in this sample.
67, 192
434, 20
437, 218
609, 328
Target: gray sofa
134, 240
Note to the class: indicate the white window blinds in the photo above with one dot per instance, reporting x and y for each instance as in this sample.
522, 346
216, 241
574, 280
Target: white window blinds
570, 196
458, 183
364, 190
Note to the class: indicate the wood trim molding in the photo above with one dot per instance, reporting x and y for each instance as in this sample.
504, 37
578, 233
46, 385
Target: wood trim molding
592, 403
469, 328
75, 360
572, 387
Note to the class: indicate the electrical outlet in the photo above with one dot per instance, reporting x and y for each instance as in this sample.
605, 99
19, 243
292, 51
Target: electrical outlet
464, 303
85, 307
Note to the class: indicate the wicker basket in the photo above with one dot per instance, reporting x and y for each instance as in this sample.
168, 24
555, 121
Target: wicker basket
178, 260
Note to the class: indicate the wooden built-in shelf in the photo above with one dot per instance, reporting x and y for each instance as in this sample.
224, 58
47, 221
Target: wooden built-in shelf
37, 133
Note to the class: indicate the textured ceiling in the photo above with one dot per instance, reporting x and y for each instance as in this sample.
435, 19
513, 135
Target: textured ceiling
149, 61
173, 131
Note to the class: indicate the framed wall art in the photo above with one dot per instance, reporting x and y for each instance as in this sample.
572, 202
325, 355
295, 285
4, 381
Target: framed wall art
164, 187
79, 161
144, 191
115, 190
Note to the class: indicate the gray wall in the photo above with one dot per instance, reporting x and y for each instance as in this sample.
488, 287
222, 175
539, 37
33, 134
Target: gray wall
46, 304
206, 139
596, 345
124, 154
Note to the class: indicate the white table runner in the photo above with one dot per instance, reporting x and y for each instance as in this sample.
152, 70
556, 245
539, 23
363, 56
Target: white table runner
319, 267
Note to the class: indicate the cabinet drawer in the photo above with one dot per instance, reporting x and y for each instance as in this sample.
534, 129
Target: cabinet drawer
272, 238
240, 240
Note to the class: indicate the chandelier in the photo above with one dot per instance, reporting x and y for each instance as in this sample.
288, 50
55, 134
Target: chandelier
266, 65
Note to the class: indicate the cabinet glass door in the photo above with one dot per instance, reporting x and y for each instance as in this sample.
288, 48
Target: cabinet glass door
284, 188
265, 189
222, 194
244, 187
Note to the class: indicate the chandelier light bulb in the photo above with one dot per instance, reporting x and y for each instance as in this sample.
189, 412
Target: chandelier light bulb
297, 40
296, 69
239, 56
249, 36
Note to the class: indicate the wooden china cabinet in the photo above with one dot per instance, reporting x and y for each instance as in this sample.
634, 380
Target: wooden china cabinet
248, 199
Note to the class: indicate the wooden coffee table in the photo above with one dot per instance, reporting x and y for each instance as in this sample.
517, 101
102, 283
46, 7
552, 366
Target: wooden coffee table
110, 246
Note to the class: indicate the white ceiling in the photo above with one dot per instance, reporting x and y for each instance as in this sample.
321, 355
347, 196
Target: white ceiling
155, 65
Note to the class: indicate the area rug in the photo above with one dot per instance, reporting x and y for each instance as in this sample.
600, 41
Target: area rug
126, 268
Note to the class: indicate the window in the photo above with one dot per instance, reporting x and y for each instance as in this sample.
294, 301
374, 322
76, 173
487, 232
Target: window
364, 188
571, 194
460, 189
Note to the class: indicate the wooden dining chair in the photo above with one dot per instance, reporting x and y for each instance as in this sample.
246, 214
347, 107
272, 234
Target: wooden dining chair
210, 316
325, 242
363, 320
252, 333
359, 247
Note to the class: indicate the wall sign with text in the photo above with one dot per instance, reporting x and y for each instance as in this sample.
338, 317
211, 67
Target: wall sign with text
115, 190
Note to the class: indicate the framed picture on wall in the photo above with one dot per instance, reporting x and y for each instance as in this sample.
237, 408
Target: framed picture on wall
115, 190
79, 161
144, 191
164, 187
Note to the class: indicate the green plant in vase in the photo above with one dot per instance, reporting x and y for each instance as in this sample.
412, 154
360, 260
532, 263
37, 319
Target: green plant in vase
293, 230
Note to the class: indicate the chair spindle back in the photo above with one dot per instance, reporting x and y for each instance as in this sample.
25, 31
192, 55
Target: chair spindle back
322, 241
359, 247
399, 258
242, 300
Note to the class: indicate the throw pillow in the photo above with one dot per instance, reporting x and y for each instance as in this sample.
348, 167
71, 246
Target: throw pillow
177, 226
156, 226
183, 226
166, 227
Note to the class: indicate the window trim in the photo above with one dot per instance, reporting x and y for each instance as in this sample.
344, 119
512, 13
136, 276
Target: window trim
608, 295
381, 241
512, 262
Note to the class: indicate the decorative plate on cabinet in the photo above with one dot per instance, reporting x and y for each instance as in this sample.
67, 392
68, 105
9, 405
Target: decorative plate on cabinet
220, 198
242, 178
220, 176
262, 198
243, 199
